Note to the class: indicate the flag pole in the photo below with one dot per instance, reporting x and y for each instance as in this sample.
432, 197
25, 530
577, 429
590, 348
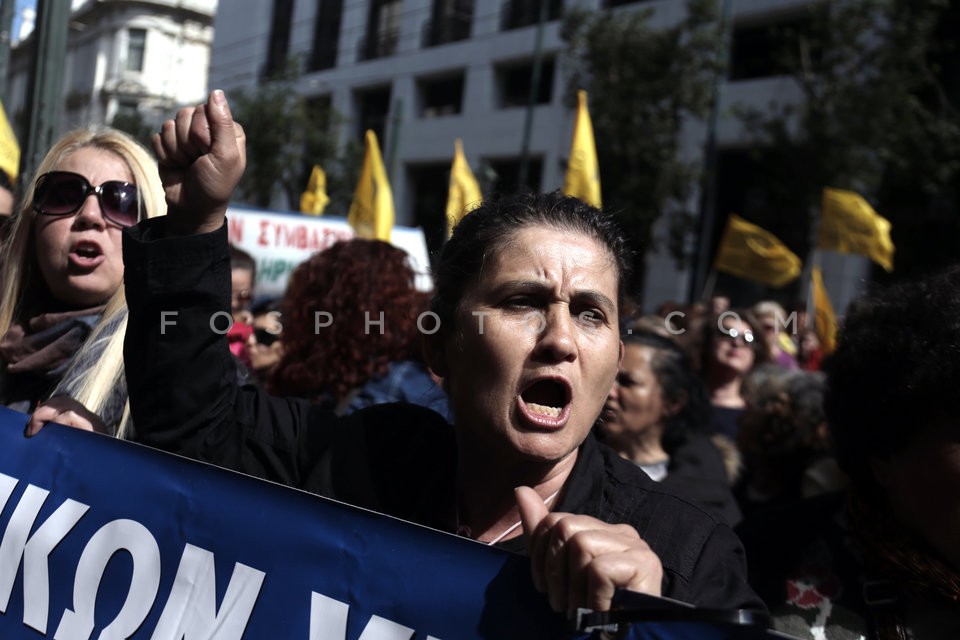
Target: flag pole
813, 260
709, 285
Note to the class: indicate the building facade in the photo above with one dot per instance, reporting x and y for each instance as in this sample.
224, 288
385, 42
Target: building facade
422, 73
139, 59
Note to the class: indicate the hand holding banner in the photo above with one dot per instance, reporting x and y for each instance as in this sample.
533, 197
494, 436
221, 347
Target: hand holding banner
113, 539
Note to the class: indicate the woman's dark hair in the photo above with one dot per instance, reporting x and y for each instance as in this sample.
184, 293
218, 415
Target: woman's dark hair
895, 370
354, 281
486, 229
679, 382
240, 259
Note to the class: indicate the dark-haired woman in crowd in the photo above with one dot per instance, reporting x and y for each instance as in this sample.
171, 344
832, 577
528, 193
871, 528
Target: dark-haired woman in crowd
528, 297
730, 345
656, 417
350, 331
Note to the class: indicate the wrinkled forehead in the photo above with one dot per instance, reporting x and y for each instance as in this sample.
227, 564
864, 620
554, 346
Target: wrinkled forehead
529, 240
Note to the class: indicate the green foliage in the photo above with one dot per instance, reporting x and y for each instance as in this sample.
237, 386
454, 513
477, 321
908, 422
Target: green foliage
644, 82
286, 135
879, 79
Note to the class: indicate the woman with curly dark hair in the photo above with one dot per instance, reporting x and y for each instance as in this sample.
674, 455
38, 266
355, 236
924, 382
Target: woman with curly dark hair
350, 330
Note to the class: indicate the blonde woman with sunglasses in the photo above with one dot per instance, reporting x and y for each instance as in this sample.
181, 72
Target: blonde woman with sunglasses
62, 307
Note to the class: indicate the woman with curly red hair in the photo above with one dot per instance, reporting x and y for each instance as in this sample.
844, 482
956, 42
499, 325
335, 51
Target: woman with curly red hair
350, 330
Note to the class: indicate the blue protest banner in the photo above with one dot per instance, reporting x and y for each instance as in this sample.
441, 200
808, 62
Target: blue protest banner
109, 539
103, 538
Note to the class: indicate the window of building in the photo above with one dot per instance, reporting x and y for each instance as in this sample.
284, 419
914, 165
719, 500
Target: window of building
515, 14
136, 46
505, 174
514, 80
279, 44
326, 35
127, 107
373, 108
441, 96
609, 4
383, 29
765, 50
450, 21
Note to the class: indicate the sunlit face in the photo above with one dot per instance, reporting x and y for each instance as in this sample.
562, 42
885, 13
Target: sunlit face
733, 345
536, 346
923, 482
79, 255
636, 402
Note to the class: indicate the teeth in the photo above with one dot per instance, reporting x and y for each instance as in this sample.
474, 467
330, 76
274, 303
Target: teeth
542, 409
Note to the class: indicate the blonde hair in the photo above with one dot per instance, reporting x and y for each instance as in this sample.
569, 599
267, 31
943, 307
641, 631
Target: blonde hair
90, 383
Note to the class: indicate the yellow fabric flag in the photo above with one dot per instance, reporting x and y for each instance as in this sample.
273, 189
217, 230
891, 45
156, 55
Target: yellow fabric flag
314, 200
371, 212
583, 170
825, 321
849, 224
752, 253
9, 148
464, 194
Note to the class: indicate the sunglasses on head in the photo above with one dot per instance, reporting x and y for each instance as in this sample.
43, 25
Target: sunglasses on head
264, 337
62, 193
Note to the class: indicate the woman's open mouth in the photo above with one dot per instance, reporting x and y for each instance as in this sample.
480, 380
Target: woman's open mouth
86, 255
546, 403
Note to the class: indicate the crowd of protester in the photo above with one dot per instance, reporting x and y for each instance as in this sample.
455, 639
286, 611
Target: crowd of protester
839, 472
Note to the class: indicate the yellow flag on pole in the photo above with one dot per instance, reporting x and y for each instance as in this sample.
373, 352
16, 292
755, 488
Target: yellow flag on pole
583, 170
9, 148
314, 200
825, 321
371, 212
464, 194
849, 224
752, 253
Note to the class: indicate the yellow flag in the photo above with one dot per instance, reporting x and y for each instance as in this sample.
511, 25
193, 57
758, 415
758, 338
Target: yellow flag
849, 224
825, 322
9, 148
314, 200
371, 212
749, 252
583, 170
464, 194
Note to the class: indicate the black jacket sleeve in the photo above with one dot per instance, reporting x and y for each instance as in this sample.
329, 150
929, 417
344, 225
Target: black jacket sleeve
184, 395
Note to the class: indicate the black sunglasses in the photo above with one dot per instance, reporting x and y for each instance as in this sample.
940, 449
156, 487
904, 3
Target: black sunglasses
62, 193
264, 337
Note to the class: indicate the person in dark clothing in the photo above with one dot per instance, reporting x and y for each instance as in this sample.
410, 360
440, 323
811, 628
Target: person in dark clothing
656, 417
527, 344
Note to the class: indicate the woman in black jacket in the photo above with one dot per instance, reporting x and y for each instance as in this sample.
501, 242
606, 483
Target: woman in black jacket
524, 334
